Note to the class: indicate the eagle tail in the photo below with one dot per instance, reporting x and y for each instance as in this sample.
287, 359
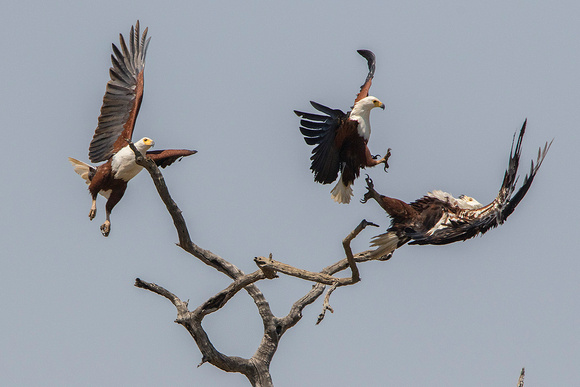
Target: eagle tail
341, 193
84, 170
385, 244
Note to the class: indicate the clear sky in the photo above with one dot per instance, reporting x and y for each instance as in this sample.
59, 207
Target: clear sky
458, 79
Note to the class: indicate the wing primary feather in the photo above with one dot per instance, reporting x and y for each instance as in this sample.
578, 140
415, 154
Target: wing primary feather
320, 130
371, 62
132, 42
122, 96
311, 116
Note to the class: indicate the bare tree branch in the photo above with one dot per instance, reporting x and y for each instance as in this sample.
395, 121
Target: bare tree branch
219, 300
326, 304
268, 265
295, 313
179, 305
256, 369
521, 379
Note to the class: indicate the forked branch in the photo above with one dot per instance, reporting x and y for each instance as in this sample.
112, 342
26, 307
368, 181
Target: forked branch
256, 368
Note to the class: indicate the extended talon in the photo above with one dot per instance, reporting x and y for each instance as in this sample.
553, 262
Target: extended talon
92, 214
106, 228
370, 184
371, 189
385, 159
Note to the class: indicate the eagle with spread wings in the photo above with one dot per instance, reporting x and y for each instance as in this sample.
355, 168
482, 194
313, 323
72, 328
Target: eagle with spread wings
110, 142
438, 218
341, 138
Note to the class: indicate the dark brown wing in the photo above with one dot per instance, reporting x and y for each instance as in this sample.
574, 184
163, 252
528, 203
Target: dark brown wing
321, 130
465, 224
364, 89
122, 97
166, 157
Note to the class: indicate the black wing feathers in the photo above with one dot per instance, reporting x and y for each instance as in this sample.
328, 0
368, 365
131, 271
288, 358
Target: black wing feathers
371, 61
320, 130
519, 195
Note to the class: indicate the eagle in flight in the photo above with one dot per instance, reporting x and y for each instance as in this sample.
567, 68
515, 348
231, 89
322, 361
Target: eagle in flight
341, 138
121, 104
438, 218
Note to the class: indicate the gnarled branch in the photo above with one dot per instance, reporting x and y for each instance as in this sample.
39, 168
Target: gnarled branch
256, 368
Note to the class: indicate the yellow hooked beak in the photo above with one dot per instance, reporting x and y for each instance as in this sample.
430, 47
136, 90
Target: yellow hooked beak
379, 104
149, 142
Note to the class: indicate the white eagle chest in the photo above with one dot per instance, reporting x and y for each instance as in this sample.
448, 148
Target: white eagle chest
363, 127
123, 164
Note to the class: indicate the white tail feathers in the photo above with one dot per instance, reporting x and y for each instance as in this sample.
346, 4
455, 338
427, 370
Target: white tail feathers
386, 243
341, 193
83, 169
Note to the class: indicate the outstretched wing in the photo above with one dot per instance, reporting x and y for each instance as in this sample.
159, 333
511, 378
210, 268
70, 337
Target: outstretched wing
364, 89
122, 97
164, 158
320, 130
465, 224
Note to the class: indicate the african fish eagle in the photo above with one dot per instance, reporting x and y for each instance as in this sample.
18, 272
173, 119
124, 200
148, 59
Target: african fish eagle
119, 111
438, 218
341, 138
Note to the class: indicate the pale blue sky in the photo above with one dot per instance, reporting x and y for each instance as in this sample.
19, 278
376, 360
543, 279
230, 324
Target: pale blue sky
458, 79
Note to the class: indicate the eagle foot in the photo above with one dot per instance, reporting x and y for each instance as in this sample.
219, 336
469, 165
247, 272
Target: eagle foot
92, 213
385, 160
371, 190
106, 228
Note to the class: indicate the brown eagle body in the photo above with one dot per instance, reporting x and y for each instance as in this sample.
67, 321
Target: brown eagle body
341, 138
119, 112
438, 218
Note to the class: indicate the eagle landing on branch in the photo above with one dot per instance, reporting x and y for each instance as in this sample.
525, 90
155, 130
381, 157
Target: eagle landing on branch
438, 218
119, 111
341, 138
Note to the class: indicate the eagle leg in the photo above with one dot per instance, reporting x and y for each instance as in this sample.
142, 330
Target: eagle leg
385, 159
93, 211
371, 193
106, 228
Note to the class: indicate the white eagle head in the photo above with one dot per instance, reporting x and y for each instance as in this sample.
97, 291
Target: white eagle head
144, 144
367, 103
468, 203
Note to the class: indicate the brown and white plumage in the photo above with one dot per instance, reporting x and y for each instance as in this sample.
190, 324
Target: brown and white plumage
341, 138
438, 218
119, 111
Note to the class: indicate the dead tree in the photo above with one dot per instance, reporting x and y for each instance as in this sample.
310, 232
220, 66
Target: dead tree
257, 367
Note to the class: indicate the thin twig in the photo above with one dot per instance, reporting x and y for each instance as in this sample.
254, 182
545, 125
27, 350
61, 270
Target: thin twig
521, 379
346, 244
326, 304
